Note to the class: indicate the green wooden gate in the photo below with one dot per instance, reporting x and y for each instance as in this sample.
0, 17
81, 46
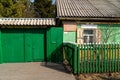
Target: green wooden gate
54, 41
34, 45
22, 45
29, 45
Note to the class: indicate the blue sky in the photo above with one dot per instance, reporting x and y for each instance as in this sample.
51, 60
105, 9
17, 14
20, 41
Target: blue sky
53, 1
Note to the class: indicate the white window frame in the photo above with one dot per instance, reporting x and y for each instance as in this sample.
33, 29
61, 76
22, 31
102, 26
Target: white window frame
89, 27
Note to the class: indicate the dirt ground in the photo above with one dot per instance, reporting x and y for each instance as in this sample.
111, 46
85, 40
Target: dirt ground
102, 76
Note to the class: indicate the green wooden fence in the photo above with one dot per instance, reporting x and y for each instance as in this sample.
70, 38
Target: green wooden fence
93, 58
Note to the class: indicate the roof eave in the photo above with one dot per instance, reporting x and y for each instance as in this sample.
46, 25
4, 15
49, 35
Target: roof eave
91, 18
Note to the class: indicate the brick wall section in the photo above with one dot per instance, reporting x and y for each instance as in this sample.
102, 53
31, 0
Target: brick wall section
69, 26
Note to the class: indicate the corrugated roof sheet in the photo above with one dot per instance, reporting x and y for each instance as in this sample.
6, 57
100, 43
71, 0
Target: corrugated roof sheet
27, 21
88, 8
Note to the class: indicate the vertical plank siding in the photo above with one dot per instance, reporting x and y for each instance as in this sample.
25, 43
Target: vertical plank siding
31, 45
0, 48
94, 58
54, 40
22, 45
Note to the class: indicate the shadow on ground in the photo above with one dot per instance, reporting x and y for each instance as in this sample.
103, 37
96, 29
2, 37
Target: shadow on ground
55, 66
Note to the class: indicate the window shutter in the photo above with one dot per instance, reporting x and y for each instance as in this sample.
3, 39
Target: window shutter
80, 36
98, 35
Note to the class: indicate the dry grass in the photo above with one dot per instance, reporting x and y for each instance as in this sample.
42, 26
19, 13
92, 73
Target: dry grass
102, 76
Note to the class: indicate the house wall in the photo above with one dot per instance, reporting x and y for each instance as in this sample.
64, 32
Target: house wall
69, 37
110, 30
69, 31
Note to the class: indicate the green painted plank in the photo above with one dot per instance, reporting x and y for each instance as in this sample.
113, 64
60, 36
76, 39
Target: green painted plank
105, 58
28, 47
96, 64
82, 64
119, 56
13, 45
102, 57
87, 51
54, 40
84, 58
108, 61
1, 57
91, 60
75, 60
113, 57
38, 45
34, 45
99, 61
118, 49
94, 58
78, 59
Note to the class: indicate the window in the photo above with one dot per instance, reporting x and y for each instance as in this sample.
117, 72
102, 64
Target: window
88, 36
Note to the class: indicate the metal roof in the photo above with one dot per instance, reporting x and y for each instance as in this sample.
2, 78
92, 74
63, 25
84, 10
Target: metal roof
28, 21
88, 8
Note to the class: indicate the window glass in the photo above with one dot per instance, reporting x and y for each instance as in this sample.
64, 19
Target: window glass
88, 31
88, 36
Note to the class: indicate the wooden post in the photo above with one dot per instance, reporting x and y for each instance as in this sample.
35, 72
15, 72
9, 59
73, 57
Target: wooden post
78, 58
75, 60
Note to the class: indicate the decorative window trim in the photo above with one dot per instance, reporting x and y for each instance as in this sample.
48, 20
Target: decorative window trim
89, 26
97, 33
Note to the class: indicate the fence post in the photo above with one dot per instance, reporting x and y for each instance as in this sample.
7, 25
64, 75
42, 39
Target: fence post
84, 48
75, 59
78, 59
105, 57
118, 56
91, 58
